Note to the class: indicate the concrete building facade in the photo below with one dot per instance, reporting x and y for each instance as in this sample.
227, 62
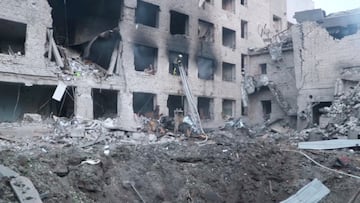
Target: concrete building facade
116, 57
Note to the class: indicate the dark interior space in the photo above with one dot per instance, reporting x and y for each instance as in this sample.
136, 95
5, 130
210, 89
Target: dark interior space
316, 111
175, 102
243, 2
147, 14
266, 107
78, 21
340, 32
145, 57
277, 23
17, 99
178, 23
206, 68
244, 29
101, 50
205, 108
243, 64
173, 67
12, 37
263, 68
228, 5
143, 104
228, 72
229, 38
206, 31
105, 103
228, 107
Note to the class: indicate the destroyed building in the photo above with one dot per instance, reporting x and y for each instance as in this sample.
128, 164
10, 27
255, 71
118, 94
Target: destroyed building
116, 58
326, 59
302, 70
270, 86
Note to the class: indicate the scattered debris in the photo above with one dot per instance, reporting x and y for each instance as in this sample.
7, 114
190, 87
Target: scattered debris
310, 193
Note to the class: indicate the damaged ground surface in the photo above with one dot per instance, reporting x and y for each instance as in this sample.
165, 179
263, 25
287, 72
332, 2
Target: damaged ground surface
230, 167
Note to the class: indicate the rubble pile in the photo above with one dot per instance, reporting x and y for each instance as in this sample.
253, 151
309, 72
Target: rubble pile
342, 117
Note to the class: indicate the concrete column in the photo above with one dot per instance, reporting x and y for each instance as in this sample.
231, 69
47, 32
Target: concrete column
126, 116
162, 102
83, 103
217, 109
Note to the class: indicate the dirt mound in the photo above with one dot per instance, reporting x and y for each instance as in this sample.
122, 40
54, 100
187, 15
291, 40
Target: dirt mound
225, 170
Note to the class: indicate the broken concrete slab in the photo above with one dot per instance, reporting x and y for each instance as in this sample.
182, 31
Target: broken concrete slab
25, 190
32, 117
329, 144
7, 172
310, 193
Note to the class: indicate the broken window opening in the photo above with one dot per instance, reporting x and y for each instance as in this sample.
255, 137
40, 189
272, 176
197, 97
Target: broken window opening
144, 105
206, 68
244, 29
266, 107
243, 64
147, 14
243, 2
175, 102
18, 99
229, 38
340, 32
78, 21
205, 108
173, 67
317, 111
12, 37
145, 58
103, 50
179, 23
228, 72
105, 103
263, 68
228, 5
277, 23
206, 31
228, 107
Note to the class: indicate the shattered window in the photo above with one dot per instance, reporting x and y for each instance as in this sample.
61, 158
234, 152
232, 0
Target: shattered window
12, 37
147, 14
145, 58
263, 68
205, 108
178, 23
206, 31
206, 68
229, 72
228, 5
229, 38
228, 107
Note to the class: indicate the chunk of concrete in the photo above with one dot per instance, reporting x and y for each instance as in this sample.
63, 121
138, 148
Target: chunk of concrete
32, 117
25, 190
310, 15
7, 172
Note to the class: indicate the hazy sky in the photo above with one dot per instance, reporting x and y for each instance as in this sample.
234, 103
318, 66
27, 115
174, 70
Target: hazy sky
331, 6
